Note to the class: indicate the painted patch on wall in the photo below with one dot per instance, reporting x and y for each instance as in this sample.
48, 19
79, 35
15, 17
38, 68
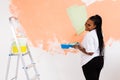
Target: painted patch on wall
53, 22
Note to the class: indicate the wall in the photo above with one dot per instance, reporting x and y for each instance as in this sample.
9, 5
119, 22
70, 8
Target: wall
47, 24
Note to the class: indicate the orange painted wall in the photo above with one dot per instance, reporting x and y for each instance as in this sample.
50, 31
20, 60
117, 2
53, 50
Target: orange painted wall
109, 10
45, 19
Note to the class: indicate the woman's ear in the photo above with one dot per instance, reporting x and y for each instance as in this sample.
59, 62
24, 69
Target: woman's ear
94, 26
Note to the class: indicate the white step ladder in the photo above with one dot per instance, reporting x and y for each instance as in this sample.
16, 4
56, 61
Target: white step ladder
20, 49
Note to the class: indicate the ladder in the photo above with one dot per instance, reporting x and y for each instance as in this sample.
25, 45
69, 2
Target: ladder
20, 49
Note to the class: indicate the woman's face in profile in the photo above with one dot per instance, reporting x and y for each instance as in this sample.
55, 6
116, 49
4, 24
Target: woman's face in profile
89, 25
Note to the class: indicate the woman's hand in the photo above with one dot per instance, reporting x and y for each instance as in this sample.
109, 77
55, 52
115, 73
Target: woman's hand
78, 46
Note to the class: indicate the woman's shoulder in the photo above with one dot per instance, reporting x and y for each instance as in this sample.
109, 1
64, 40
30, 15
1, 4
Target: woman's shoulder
91, 33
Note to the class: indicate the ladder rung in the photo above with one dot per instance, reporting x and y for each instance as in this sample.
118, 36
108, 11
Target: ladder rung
29, 66
13, 78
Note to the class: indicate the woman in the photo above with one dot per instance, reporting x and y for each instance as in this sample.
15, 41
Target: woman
93, 48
